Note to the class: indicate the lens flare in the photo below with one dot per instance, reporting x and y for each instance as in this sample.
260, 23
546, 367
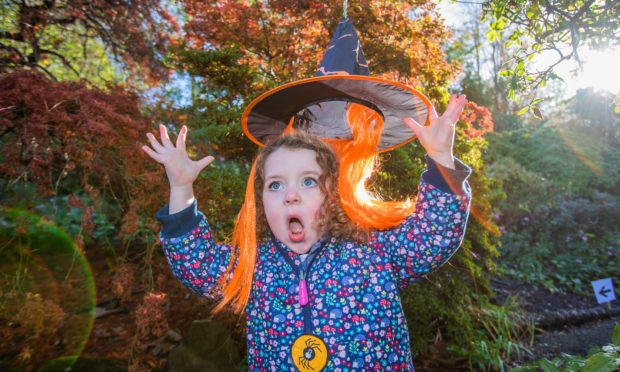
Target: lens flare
477, 210
47, 289
571, 143
479, 214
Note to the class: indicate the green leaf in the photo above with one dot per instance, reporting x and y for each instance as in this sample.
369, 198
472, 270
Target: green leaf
514, 82
520, 66
554, 76
523, 369
548, 366
573, 363
600, 363
530, 13
615, 338
609, 349
523, 110
492, 35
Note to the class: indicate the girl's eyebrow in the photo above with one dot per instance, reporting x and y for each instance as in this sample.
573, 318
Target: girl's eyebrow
272, 176
305, 173
311, 172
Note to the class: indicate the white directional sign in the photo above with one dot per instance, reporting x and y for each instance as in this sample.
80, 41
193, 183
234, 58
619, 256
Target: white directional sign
604, 290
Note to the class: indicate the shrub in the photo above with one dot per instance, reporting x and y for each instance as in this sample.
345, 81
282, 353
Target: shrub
504, 336
75, 147
559, 218
571, 161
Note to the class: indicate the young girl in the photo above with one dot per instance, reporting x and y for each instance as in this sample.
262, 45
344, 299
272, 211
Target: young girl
323, 292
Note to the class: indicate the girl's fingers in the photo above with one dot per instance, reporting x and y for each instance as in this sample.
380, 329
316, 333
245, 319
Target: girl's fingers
165, 140
166, 154
455, 107
152, 154
181, 138
413, 125
432, 114
459, 105
451, 106
154, 143
202, 163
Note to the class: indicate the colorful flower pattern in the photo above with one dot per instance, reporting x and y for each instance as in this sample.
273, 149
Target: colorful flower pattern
354, 289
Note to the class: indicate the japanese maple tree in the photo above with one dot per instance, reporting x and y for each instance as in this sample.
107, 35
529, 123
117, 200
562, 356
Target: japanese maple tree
75, 39
66, 139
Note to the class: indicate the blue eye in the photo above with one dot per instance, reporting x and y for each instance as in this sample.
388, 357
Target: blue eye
309, 182
275, 185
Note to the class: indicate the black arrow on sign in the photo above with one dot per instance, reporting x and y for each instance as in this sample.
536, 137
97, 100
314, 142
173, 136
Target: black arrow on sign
603, 292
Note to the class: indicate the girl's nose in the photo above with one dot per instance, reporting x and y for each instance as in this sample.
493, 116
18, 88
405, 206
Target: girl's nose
292, 196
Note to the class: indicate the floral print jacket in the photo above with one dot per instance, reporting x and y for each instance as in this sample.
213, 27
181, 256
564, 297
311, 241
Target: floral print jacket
354, 302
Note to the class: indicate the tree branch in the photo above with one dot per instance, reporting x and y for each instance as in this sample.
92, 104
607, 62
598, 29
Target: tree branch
66, 63
11, 36
262, 21
585, 7
553, 9
46, 72
14, 50
7, 130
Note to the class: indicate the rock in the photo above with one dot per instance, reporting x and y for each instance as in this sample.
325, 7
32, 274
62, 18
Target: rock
558, 319
207, 347
174, 336
84, 364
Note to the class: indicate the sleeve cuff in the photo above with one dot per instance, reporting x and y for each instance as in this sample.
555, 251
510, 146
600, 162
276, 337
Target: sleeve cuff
180, 223
446, 179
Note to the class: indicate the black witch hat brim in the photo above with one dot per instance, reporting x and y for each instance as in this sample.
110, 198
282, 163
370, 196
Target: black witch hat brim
312, 100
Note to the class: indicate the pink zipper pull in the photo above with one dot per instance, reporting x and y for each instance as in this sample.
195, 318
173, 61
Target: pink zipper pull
303, 293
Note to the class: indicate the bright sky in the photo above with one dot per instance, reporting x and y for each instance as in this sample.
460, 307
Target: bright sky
600, 68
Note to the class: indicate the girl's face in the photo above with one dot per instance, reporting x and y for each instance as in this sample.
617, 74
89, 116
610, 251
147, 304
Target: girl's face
292, 197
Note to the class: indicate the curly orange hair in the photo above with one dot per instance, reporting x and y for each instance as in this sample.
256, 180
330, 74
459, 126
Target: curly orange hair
358, 161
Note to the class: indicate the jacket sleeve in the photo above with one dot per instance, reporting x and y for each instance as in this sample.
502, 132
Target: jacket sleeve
195, 259
431, 235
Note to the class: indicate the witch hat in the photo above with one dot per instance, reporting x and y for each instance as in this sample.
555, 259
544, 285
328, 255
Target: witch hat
318, 105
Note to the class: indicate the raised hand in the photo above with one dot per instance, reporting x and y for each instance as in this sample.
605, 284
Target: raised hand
438, 137
180, 169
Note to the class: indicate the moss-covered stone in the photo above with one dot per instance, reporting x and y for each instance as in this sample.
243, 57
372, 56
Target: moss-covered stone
207, 347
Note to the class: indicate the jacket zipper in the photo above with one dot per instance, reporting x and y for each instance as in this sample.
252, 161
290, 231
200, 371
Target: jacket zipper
306, 306
302, 295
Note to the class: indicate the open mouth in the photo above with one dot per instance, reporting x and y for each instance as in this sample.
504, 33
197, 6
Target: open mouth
295, 229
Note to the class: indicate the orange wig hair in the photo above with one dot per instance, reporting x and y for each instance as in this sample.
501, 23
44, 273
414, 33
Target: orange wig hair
358, 161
